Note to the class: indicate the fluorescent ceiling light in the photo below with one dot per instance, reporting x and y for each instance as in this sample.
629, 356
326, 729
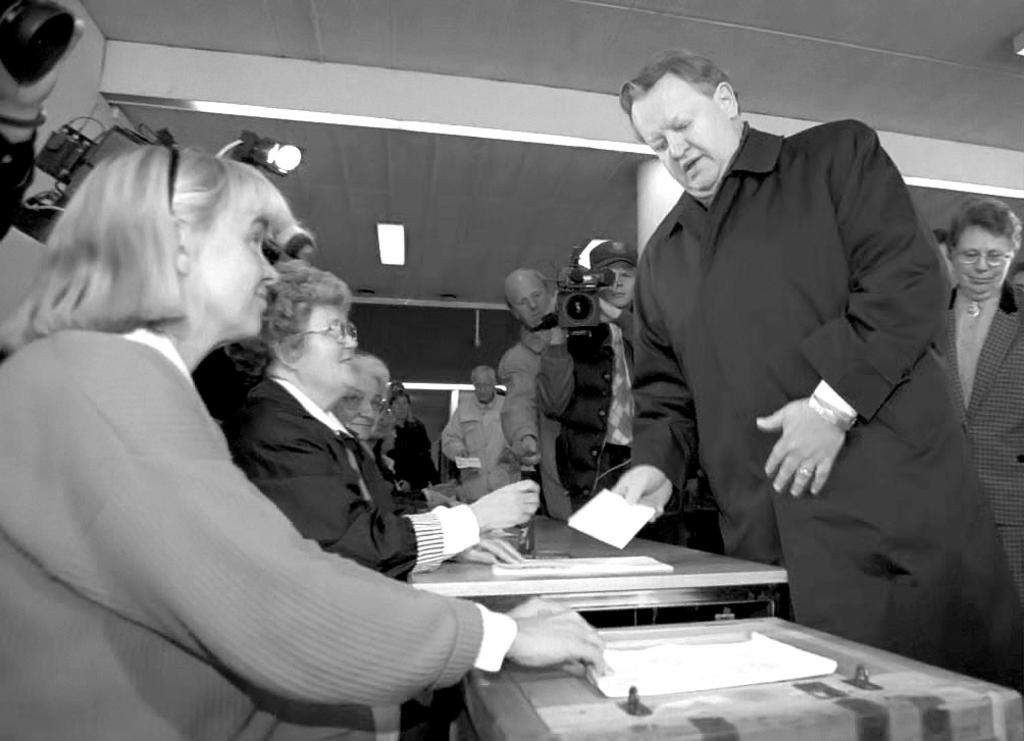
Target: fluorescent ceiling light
985, 190
421, 386
423, 127
453, 388
391, 243
1018, 43
529, 137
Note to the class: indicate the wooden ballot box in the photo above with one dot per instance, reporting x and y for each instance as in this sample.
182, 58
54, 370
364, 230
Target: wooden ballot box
872, 694
696, 580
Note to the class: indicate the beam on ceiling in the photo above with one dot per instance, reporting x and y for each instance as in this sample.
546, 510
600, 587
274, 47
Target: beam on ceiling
337, 93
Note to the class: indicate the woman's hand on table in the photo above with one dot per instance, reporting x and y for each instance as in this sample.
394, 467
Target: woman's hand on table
550, 634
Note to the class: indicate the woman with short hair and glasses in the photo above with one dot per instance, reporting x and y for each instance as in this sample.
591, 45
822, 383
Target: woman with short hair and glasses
148, 590
364, 409
313, 466
363, 404
984, 346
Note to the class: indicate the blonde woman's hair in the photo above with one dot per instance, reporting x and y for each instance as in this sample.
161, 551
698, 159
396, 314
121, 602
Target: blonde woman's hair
110, 263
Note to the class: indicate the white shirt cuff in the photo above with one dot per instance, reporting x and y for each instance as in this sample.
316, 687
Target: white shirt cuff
827, 394
499, 633
459, 527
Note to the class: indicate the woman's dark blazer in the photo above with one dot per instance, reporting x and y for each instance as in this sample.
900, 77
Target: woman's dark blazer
302, 466
994, 420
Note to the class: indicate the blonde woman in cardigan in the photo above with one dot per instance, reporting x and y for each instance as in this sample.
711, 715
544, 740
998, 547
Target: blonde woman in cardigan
147, 590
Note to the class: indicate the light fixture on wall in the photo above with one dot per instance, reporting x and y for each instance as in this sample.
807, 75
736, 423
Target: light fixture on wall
1018, 43
391, 243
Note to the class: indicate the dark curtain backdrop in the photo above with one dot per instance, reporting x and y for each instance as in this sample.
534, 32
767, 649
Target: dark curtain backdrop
433, 344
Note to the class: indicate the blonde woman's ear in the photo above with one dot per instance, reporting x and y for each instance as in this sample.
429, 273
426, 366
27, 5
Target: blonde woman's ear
182, 260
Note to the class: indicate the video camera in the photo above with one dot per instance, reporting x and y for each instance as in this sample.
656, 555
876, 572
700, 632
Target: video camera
577, 305
33, 37
68, 156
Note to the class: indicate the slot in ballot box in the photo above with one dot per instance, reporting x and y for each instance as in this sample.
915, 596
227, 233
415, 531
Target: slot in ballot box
872, 694
699, 585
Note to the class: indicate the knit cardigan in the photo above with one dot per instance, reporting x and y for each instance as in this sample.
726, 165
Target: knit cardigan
148, 590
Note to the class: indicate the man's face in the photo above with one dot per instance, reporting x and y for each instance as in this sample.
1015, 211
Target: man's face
620, 293
483, 387
529, 298
694, 135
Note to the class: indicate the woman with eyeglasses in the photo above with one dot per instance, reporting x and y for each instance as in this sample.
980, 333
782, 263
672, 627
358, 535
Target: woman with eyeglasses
364, 410
984, 347
313, 466
147, 589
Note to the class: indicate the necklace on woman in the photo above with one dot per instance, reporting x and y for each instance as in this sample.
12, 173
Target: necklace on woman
973, 309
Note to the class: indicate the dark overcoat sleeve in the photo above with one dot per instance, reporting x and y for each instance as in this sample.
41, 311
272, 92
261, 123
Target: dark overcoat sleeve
304, 471
896, 299
664, 425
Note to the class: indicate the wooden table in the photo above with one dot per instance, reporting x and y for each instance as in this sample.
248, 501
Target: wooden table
696, 578
901, 699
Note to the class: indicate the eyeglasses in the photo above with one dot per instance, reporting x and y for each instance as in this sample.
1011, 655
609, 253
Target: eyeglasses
172, 174
338, 330
971, 257
354, 400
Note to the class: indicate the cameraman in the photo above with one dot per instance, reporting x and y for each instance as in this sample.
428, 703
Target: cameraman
21, 113
585, 383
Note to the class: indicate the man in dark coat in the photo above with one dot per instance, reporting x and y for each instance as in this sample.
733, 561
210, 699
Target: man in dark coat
786, 309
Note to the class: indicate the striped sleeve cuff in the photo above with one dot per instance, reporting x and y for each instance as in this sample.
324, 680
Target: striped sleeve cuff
429, 541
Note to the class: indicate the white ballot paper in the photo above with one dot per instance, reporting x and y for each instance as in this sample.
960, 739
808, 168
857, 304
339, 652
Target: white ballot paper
611, 519
667, 668
461, 462
606, 566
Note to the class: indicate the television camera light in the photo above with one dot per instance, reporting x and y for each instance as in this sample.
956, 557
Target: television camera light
280, 158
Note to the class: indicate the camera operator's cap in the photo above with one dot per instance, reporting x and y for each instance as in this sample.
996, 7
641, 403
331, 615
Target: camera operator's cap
609, 253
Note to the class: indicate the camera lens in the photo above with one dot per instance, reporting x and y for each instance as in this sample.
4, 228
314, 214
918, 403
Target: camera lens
579, 307
33, 37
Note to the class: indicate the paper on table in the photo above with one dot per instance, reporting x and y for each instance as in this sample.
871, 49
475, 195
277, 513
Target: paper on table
609, 565
466, 462
666, 668
610, 518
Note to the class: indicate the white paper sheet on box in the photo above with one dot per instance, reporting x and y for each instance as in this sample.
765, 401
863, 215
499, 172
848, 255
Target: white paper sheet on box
667, 668
605, 566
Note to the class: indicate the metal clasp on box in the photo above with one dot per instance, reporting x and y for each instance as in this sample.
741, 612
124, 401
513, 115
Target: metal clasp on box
862, 680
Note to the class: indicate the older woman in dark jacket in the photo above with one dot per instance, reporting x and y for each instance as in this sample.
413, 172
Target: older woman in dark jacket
314, 468
984, 346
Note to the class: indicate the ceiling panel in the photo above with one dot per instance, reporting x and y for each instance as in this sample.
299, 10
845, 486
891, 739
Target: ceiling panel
938, 68
476, 209
972, 33
473, 209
